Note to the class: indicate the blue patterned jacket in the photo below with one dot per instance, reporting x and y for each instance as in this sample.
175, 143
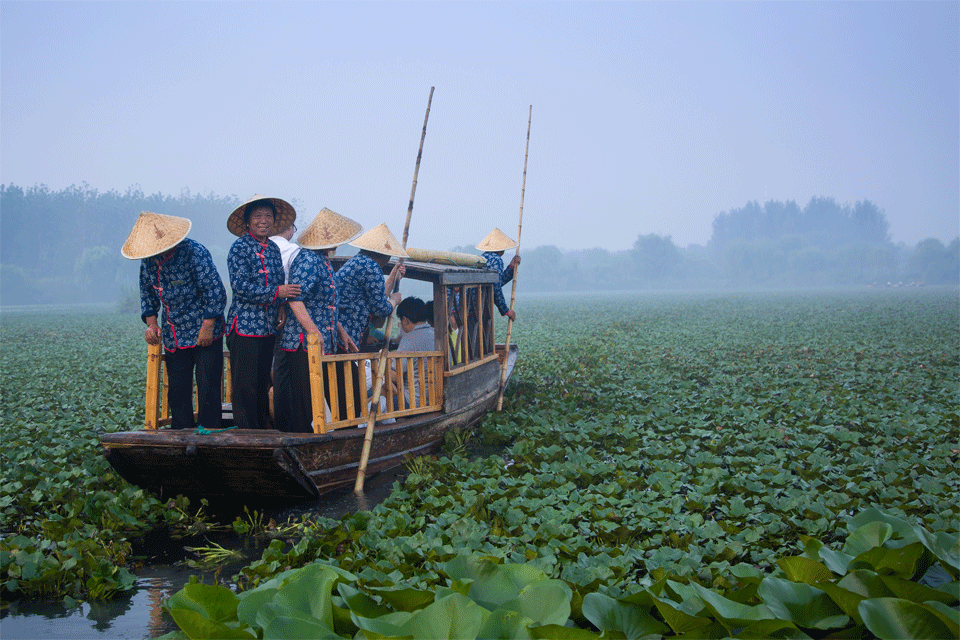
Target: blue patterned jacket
360, 283
189, 290
256, 273
495, 263
318, 293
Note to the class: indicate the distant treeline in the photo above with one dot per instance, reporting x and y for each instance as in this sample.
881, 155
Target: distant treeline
776, 244
64, 246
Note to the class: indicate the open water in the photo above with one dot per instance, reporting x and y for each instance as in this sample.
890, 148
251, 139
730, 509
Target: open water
138, 615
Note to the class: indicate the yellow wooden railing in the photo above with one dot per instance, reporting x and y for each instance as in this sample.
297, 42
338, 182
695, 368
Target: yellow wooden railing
403, 397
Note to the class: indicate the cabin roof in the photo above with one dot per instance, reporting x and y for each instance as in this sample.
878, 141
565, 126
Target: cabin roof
436, 273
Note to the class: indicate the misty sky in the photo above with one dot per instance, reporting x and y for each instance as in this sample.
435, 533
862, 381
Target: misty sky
648, 117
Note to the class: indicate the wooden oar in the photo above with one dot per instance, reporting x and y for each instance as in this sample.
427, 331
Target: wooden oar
382, 363
513, 293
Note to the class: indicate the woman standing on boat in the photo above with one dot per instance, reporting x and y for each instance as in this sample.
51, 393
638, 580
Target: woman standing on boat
314, 311
257, 281
363, 293
493, 247
177, 274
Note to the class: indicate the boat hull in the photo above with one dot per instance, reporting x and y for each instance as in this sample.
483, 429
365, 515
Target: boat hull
267, 465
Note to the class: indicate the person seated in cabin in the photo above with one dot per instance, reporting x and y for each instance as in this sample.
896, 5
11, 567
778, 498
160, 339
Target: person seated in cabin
429, 312
178, 275
314, 311
454, 338
418, 335
374, 339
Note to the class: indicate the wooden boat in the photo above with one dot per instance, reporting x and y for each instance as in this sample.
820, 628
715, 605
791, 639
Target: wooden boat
460, 385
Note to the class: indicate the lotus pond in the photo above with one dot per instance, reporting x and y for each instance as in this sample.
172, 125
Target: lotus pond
700, 464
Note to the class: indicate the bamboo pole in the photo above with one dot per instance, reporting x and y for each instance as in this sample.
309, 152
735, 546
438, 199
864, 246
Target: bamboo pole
152, 409
513, 293
388, 329
317, 397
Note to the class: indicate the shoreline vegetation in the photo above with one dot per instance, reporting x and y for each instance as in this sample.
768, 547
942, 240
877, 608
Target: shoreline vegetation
717, 450
821, 243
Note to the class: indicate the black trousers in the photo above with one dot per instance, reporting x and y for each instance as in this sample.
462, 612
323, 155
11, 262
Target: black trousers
292, 398
250, 362
206, 363
292, 401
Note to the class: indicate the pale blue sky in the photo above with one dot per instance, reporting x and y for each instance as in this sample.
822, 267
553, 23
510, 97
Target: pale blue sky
648, 117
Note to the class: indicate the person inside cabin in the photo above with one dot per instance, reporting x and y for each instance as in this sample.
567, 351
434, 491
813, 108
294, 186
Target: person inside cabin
456, 344
363, 294
418, 335
314, 311
429, 311
178, 276
257, 282
374, 340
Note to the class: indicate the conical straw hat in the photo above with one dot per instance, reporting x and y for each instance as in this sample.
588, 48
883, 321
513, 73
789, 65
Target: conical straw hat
497, 240
286, 215
154, 233
327, 230
380, 240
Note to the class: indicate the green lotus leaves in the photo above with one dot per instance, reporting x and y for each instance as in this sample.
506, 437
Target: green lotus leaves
895, 619
207, 611
610, 615
802, 569
732, 614
686, 438
801, 604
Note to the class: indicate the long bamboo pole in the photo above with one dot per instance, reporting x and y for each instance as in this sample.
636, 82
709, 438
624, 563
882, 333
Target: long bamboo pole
382, 363
513, 293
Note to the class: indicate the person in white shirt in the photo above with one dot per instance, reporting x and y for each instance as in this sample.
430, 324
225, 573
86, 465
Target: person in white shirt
288, 249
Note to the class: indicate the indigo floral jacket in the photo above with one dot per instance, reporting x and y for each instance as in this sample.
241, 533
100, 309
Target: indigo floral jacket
256, 273
186, 286
318, 293
360, 285
495, 263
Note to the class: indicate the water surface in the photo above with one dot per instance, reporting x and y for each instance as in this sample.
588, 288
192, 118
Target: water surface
138, 615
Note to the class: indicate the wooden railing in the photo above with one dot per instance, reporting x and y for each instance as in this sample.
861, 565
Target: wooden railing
404, 396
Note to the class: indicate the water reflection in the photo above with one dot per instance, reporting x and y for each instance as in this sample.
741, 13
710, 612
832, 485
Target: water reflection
134, 616
138, 615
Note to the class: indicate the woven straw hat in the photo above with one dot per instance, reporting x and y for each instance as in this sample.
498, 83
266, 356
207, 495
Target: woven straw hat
327, 230
497, 240
154, 233
286, 215
380, 240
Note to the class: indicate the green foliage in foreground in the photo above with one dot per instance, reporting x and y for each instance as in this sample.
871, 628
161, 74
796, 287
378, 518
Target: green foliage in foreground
870, 585
66, 519
642, 437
